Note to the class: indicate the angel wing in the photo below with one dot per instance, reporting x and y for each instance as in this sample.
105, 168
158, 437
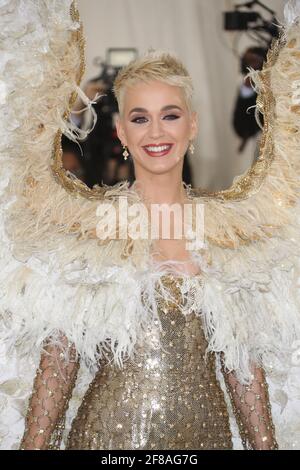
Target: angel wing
252, 229
50, 259
50, 224
52, 262
251, 304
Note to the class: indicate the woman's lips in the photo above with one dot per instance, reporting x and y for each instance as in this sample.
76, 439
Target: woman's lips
159, 154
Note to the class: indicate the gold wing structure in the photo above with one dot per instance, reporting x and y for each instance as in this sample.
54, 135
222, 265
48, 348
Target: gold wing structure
251, 263
264, 200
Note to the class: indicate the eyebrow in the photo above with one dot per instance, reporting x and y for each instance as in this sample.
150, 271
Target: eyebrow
165, 108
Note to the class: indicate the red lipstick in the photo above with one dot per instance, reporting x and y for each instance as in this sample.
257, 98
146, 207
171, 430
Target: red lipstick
150, 149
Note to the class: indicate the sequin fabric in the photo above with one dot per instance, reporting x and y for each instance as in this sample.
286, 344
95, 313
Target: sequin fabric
51, 393
168, 397
252, 410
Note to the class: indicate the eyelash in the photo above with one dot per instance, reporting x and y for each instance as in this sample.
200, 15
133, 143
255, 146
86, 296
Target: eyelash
169, 115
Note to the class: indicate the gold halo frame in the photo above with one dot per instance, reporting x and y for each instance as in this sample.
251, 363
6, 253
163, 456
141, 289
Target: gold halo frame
244, 185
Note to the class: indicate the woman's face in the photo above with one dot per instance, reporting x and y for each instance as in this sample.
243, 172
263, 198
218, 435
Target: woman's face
162, 119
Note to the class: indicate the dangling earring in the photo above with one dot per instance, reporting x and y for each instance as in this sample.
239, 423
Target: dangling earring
125, 153
191, 148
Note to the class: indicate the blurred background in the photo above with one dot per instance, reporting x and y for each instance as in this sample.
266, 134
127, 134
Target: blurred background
217, 40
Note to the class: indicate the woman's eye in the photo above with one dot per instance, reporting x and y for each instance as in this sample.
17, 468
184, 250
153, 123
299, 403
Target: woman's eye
173, 116
140, 120
136, 120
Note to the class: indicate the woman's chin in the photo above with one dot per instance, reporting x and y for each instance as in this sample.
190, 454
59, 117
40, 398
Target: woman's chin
157, 165
160, 169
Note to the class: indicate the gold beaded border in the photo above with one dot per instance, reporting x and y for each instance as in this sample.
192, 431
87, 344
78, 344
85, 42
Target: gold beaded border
250, 182
70, 183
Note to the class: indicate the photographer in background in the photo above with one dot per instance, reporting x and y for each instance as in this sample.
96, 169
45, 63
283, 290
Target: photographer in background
244, 122
72, 159
102, 149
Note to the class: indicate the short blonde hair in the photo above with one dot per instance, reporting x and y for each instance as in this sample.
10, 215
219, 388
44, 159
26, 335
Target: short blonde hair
154, 65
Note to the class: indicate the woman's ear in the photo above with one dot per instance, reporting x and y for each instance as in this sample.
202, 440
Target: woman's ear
120, 131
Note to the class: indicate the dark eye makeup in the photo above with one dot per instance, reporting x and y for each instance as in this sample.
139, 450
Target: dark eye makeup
173, 116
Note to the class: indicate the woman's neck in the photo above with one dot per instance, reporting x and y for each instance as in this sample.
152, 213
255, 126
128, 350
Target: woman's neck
160, 189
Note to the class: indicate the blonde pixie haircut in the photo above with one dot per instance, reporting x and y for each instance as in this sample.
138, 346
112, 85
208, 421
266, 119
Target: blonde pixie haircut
154, 65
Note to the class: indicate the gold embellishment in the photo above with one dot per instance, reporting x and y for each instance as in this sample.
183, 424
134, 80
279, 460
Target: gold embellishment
249, 183
51, 393
68, 181
252, 411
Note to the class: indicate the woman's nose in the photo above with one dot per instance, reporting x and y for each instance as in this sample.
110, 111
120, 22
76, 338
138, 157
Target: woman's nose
156, 128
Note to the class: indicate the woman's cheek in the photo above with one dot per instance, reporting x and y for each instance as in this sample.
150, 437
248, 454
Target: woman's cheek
136, 134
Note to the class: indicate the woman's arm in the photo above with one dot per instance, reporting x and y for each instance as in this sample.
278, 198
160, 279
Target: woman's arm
52, 390
252, 410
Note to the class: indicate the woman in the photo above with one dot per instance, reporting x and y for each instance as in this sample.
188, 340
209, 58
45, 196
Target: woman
167, 394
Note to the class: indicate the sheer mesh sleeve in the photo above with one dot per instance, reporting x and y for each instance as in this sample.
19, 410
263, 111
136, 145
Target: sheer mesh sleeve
252, 410
52, 390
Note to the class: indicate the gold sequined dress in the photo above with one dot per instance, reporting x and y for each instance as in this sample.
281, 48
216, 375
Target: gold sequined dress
166, 397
